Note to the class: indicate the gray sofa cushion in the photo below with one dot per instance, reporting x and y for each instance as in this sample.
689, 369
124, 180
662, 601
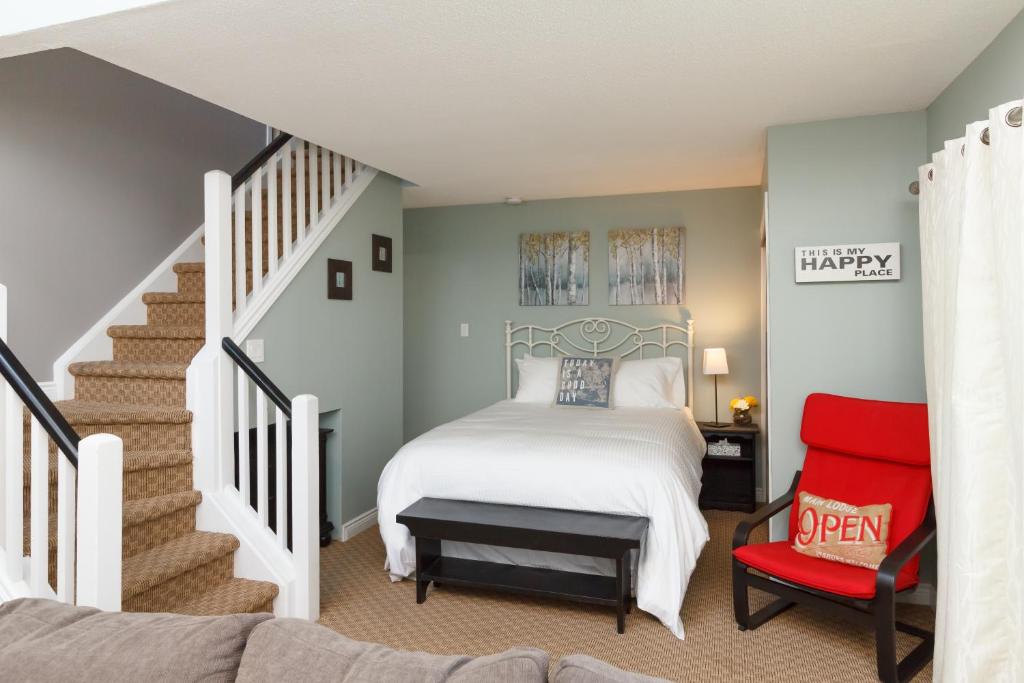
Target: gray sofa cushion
584, 669
43, 640
291, 649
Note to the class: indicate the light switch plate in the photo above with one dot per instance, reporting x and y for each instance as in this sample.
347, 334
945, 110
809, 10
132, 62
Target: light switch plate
464, 330
254, 349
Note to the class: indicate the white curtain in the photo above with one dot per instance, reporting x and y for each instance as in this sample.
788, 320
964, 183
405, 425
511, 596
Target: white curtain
972, 254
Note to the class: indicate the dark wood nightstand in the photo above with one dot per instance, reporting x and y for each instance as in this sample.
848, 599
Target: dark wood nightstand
728, 480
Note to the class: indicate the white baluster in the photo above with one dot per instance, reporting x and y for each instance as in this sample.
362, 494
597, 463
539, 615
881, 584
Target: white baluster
281, 476
286, 197
240, 260
350, 171
272, 216
337, 175
262, 501
257, 233
305, 506
39, 507
66, 485
300, 192
14, 480
100, 467
243, 436
325, 182
314, 185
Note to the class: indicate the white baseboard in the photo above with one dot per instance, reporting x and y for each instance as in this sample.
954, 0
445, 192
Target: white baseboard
359, 524
924, 594
50, 389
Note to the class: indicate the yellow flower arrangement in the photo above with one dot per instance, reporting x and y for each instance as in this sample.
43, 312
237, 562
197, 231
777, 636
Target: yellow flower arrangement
744, 403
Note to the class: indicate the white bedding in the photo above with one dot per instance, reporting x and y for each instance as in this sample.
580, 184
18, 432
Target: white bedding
636, 461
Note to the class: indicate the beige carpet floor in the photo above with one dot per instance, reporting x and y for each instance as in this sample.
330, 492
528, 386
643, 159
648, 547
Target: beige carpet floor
359, 601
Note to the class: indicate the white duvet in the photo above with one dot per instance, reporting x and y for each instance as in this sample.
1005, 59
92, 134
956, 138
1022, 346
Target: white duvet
636, 461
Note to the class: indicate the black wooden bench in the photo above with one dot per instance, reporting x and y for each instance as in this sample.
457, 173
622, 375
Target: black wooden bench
595, 534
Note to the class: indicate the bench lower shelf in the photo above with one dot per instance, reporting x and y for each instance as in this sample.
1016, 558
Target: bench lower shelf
547, 583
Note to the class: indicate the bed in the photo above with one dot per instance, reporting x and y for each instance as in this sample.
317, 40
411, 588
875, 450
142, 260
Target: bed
636, 461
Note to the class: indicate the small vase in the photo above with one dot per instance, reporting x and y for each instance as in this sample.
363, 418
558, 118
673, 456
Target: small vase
741, 417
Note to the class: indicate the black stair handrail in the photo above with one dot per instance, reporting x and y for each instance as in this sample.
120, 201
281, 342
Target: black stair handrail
238, 179
257, 376
39, 404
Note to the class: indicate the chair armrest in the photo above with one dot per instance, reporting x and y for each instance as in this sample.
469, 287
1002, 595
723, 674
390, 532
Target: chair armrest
755, 519
890, 567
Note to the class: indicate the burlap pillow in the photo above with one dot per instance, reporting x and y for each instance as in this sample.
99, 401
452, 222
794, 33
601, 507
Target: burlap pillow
837, 531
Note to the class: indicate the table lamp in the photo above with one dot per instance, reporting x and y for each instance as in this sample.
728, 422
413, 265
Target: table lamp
716, 364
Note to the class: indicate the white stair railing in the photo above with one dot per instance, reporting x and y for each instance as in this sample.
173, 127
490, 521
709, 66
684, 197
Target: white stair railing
88, 497
213, 391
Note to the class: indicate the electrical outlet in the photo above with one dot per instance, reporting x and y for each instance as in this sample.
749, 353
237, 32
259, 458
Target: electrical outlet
464, 330
254, 349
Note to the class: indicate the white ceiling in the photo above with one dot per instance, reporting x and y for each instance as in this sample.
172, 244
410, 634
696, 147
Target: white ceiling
477, 100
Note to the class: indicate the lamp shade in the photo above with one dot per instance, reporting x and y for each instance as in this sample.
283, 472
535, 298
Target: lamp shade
715, 362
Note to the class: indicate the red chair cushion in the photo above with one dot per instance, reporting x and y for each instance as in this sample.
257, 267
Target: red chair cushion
866, 452
781, 561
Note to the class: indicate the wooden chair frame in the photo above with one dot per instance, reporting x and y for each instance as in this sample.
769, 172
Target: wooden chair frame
878, 612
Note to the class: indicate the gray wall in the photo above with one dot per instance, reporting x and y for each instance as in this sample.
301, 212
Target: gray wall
462, 265
993, 78
101, 177
840, 182
347, 353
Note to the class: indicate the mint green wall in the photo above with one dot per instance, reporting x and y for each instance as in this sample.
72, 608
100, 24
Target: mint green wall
347, 353
462, 262
995, 77
840, 182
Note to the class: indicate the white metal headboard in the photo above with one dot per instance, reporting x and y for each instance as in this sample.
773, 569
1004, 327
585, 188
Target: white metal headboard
596, 336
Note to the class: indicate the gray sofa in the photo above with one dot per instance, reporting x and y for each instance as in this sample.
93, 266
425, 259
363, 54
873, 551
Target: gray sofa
43, 640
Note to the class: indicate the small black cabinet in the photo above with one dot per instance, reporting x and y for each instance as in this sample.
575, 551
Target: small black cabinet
727, 482
325, 524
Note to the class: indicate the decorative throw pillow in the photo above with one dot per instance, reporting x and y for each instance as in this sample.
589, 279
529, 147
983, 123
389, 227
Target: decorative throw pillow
837, 531
538, 379
585, 382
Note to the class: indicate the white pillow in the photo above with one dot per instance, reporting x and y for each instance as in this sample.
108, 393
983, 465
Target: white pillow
650, 383
538, 380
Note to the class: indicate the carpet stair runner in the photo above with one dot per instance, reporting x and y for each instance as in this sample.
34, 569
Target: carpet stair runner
139, 396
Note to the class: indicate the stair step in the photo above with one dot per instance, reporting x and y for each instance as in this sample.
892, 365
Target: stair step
140, 427
150, 522
172, 298
130, 382
189, 267
175, 308
156, 332
234, 596
158, 343
175, 573
148, 474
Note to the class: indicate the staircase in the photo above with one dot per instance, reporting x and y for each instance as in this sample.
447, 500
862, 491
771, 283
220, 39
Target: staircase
291, 195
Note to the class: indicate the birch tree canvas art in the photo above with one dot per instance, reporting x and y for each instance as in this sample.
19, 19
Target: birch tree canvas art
554, 269
645, 266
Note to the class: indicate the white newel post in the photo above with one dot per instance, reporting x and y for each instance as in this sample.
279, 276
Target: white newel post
305, 506
100, 467
209, 380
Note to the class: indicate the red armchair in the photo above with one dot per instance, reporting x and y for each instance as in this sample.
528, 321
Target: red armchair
860, 452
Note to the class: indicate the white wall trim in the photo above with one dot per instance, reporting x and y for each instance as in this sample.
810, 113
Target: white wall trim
359, 524
95, 344
258, 305
50, 389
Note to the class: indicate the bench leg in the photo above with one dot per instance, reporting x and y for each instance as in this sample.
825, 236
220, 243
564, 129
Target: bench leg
427, 551
620, 592
627, 581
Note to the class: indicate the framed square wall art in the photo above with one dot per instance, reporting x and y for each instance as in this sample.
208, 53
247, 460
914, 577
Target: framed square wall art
339, 279
646, 266
554, 268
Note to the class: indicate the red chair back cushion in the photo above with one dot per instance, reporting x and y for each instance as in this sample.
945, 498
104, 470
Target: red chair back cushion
866, 452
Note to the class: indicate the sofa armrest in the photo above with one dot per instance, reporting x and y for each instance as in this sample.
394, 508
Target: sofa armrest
885, 582
759, 517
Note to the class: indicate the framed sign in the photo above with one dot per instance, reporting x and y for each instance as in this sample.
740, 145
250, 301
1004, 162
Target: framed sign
848, 262
381, 253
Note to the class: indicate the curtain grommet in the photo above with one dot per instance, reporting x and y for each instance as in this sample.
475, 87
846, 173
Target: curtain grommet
931, 174
1013, 117
915, 188
986, 136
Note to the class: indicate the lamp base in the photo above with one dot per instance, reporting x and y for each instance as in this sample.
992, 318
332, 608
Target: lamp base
718, 425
